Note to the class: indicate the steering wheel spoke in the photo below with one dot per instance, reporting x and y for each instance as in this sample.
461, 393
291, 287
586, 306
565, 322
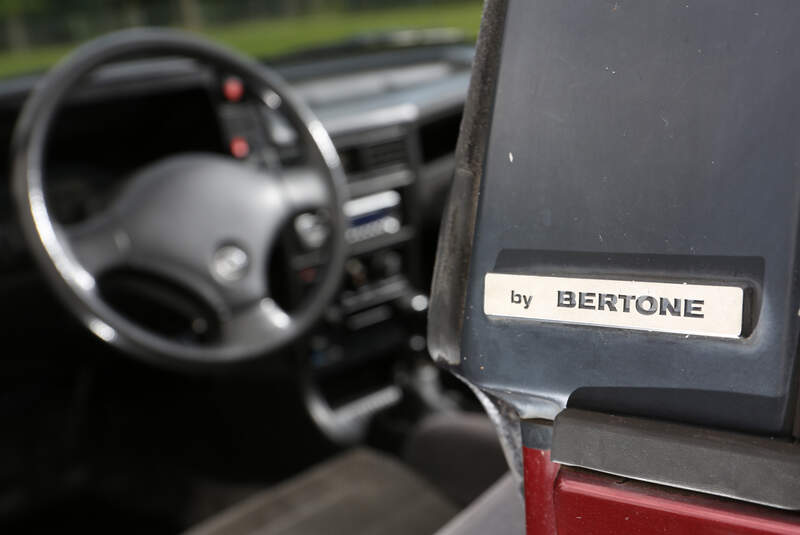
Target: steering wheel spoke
255, 324
305, 189
99, 243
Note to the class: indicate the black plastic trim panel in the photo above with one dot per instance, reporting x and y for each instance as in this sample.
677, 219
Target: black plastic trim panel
734, 465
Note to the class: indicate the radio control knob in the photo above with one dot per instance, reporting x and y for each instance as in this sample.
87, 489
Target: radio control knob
356, 272
388, 263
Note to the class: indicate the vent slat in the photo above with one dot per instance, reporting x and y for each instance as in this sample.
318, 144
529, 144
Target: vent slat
384, 154
369, 158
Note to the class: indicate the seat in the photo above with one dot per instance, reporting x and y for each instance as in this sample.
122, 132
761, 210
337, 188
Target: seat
446, 446
450, 460
360, 492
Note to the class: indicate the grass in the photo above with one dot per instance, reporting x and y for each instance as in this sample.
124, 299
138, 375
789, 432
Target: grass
272, 37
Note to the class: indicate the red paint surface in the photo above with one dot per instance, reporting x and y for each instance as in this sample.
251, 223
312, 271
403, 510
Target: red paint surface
540, 476
568, 501
591, 503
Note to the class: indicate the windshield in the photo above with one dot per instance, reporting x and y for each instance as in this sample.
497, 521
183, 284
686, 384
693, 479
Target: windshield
34, 34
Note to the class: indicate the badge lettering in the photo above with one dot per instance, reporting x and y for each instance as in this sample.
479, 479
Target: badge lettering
518, 298
566, 299
646, 305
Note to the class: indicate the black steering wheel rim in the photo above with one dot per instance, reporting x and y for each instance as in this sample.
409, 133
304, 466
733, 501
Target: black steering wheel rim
77, 287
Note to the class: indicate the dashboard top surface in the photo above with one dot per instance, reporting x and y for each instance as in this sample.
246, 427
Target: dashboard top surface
347, 93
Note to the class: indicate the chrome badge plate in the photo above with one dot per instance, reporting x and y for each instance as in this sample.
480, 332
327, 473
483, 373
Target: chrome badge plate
681, 308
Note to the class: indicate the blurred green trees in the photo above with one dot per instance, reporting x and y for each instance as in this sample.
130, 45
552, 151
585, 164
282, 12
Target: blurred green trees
36, 33
27, 23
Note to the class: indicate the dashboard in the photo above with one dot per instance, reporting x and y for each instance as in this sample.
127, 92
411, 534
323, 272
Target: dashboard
394, 119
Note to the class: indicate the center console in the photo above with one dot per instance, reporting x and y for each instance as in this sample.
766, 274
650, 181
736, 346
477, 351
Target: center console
378, 318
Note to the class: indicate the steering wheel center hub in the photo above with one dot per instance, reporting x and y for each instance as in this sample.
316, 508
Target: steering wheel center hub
230, 263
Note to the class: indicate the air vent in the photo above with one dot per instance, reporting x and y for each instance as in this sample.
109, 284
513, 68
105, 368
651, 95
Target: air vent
385, 154
371, 158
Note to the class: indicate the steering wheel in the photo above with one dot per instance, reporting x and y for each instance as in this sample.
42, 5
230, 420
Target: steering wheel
205, 220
